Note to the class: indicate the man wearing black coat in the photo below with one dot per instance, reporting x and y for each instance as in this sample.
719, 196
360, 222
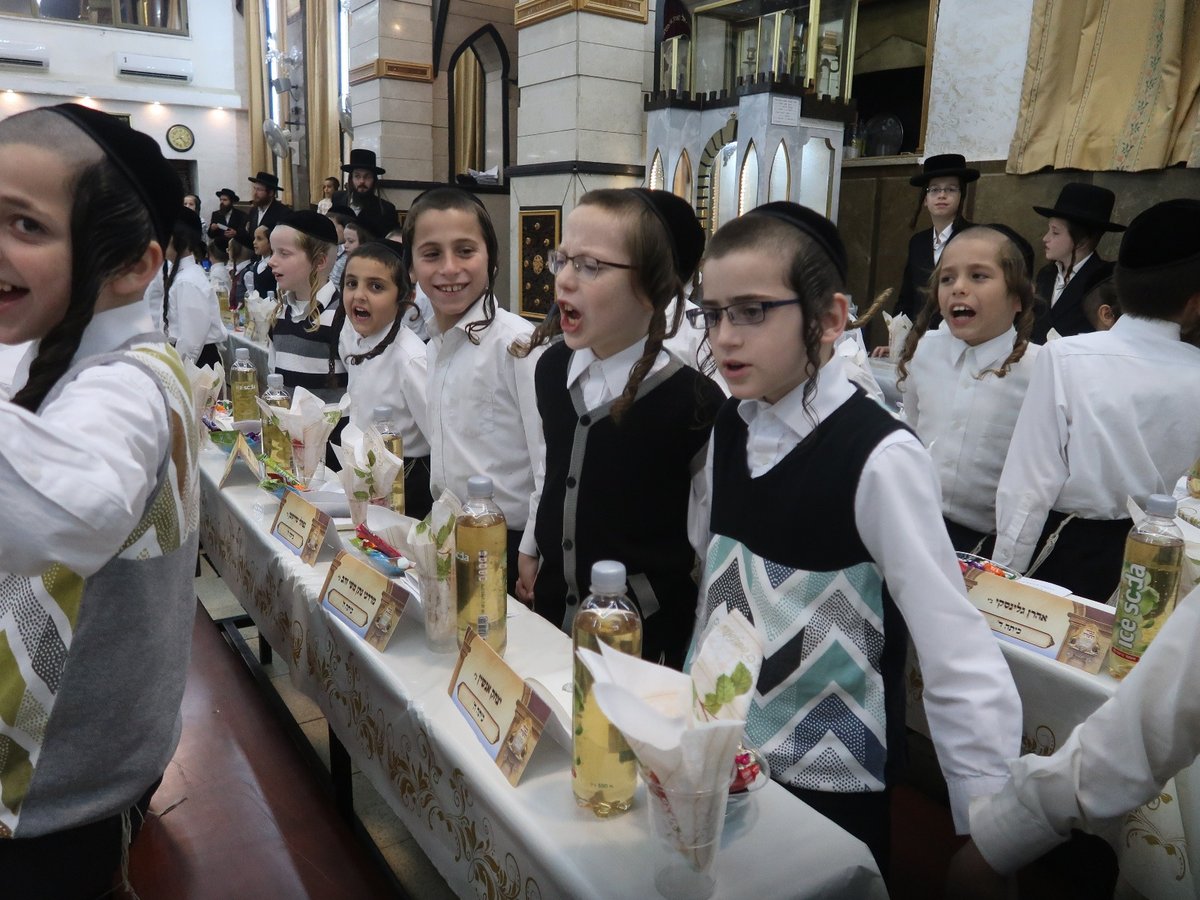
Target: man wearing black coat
373, 211
267, 210
226, 221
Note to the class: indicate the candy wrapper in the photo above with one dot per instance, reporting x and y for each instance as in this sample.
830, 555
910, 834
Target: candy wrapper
207, 384
898, 328
431, 543
260, 315
308, 423
368, 470
684, 729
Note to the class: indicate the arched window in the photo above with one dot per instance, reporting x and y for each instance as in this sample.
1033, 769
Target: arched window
780, 185
682, 185
656, 172
478, 101
748, 182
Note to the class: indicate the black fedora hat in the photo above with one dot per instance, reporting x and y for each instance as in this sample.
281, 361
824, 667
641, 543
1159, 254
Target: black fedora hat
944, 165
1087, 204
228, 192
267, 180
363, 159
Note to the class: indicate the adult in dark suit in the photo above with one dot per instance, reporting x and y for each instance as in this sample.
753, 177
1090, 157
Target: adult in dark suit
1078, 219
226, 221
943, 182
372, 210
267, 211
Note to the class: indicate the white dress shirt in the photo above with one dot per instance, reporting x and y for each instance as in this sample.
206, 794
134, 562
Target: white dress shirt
971, 702
483, 415
966, 418
939, 241
397, 377
153, 299
420, 321
75, 478
1115, 761
1108, 415
1060, 279
193, 312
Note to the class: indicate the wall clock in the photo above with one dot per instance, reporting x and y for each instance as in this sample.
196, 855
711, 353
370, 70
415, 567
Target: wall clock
180, 138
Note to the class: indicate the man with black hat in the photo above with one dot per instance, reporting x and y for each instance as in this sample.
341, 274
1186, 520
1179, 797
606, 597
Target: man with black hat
226, 221
267, 210
1107, 416
1078, 219
363, 197
943, 182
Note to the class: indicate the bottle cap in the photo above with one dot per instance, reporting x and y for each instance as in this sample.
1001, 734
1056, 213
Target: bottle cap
383, 413
608, 577
1161, 505
275, 380
479, 486
241, 353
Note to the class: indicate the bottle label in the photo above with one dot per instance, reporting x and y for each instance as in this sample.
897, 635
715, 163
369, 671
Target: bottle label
1125, 633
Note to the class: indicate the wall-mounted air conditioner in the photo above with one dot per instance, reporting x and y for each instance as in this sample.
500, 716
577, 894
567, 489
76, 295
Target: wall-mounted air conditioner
18, 55
154, 68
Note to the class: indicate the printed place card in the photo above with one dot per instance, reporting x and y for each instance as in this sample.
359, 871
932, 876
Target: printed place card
503, 711
1072, 630
300, 527
241, 450
364, 598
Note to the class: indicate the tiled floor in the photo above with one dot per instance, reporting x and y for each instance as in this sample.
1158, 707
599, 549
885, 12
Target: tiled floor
412, 868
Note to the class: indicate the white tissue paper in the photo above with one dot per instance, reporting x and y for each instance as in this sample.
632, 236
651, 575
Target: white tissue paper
308, 424
898, 328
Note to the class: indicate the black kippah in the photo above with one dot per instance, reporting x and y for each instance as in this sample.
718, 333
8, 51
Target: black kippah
189, 217
823, 232
683, 230
312, 223
1022, 245
137, 157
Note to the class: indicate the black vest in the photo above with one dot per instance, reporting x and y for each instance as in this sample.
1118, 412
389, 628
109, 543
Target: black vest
800, 514
320, 345
621, 492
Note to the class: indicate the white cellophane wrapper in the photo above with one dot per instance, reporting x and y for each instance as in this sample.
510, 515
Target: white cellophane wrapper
207, 383
369, 469
308, 424
684, 744
260, 314
898, 328
432, 544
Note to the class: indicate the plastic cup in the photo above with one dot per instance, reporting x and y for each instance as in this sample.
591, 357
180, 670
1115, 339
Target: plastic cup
441, 618
687, 829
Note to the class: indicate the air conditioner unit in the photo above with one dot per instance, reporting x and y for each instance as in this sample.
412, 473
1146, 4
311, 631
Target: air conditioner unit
30, 57
154, 68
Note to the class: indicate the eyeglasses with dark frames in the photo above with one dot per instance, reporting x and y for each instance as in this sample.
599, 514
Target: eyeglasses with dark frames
749, 313
588, 267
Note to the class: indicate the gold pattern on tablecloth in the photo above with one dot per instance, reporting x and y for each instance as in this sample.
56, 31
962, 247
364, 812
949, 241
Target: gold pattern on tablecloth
1140, 825
416, 774
1042, 741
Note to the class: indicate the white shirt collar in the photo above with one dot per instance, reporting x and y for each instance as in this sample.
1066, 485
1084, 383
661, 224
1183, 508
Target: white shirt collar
1061, 269
474, 314
940, 237
1133, 325
832, 390
110, 329
987, 355
614, 370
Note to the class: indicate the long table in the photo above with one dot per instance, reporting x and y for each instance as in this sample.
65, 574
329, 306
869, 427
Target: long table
1154, 852
486, 838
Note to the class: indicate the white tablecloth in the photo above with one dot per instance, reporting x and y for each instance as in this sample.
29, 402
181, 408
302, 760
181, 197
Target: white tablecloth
488, 839
1154, 854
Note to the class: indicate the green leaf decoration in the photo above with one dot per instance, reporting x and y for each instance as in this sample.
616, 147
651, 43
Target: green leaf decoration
742, 681
361, 495
444, 535
370, 457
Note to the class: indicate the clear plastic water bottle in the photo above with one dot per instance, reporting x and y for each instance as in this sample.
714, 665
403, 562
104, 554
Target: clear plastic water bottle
481, 566
383, 417
243, 386
275, 442
1149, 584
603, 769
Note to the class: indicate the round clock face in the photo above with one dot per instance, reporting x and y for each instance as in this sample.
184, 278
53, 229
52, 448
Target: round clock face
180, 138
